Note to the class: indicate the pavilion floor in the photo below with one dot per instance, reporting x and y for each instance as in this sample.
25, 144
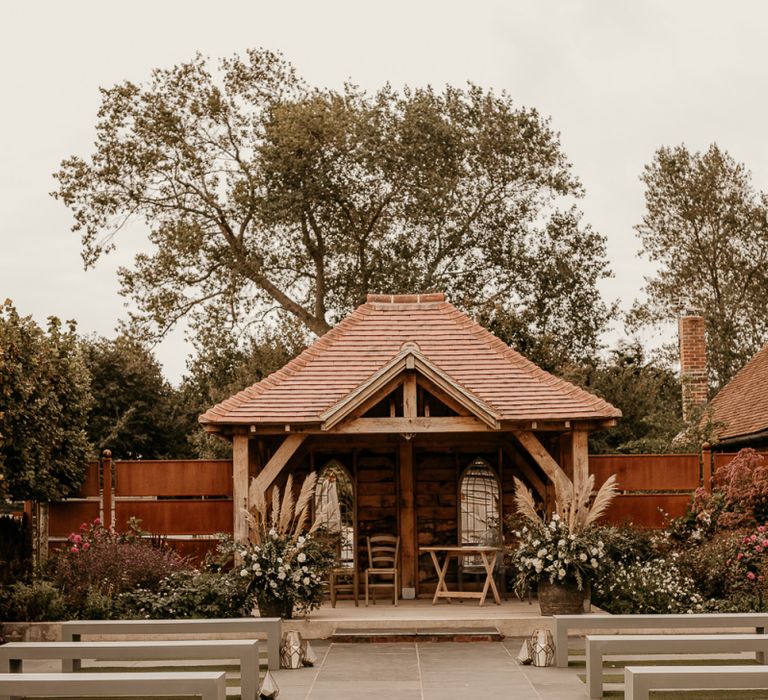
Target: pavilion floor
514, 618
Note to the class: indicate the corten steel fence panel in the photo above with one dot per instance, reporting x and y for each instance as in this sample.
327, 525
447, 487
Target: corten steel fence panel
66, 516
187, 502
653, 488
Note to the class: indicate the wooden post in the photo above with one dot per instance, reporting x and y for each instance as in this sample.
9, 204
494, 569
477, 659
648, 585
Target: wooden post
107, 512
407, 521
410, 396
580, 456
239, 486
706, 467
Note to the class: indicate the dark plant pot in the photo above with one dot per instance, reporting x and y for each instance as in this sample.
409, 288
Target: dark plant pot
560, 599
271, 607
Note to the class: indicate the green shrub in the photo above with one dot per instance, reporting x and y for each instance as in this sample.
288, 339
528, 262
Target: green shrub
644, 587
99, 564
189, 594
38, 601
15, 549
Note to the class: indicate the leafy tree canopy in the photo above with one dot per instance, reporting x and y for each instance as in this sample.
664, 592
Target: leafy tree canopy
135, 412
44, 402
260, 192
707, 228
647, 391
223, 366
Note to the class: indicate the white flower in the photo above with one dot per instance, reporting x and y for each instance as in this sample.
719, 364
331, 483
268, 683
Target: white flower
244, 572
281, 575
561, 543
555, 517
561, 573
583, 556
301, 539
594, 563
306, 580
302, 557
541, 553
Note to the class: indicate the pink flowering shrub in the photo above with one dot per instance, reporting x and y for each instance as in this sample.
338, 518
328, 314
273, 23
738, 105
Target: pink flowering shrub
99, 563
744, 485
750, 563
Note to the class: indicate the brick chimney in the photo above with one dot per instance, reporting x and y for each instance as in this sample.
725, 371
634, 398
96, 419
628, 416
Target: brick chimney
693, 363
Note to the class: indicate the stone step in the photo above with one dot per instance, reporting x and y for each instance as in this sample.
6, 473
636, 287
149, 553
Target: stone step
420, 634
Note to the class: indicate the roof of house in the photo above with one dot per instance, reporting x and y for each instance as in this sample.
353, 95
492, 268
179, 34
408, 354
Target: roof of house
512, 387
741, 406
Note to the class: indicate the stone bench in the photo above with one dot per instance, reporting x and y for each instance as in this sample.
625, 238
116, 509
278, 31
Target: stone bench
207, 685
599, 646
252, 626
674, 622
12, 656
640, 680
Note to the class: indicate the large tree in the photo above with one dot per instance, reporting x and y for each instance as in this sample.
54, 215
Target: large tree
707, 228
260, 192
648, 392
44, 401
136, 413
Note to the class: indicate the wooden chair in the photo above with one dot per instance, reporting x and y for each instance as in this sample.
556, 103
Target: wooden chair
346, 571
383, 553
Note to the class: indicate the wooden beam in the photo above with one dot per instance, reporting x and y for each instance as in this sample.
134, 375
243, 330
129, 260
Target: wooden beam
540, 455
410, 397
240, 487
407, 521
527, 471
452, 424
277, 462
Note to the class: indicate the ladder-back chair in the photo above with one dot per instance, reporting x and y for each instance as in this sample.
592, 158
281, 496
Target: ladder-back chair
383, 554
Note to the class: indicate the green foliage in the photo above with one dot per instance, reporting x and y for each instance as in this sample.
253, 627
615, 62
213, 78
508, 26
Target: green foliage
15, 549
189, 594
261, 193
222, 367
645, 389
37, 601
706, 228
99, 563
44, 402
646, 587
136, 413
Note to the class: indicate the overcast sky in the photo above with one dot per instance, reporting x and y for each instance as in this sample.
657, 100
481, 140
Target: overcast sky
618, 79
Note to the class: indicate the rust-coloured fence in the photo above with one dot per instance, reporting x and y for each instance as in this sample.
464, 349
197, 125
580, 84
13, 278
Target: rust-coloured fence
653, 488
188, 502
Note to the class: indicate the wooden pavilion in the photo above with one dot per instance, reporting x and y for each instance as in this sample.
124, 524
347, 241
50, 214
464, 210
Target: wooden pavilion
429, 415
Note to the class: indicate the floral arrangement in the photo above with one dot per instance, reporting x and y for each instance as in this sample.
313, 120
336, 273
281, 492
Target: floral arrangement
565, 547
550, 550
283, 564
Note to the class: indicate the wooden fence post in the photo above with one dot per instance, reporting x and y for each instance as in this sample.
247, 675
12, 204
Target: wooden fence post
107, 511
706, 467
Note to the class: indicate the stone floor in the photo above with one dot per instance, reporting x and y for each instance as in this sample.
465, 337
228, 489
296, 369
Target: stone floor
426, 671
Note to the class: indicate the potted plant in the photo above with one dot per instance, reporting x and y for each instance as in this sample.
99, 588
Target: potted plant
283, 564
561, 553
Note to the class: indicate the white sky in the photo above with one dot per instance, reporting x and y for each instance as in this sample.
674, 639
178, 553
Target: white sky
619, 79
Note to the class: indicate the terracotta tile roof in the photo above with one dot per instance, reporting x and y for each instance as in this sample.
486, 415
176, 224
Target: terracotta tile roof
366, 340
742, 404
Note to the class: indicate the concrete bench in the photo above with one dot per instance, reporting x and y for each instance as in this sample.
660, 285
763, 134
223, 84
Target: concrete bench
640, 680
252, 626
207, 685
675, 622
12, 656
599, 646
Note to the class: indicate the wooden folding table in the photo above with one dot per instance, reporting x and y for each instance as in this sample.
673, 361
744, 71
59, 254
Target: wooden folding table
488, 556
